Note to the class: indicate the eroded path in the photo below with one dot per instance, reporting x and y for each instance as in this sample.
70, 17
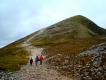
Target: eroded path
40, 72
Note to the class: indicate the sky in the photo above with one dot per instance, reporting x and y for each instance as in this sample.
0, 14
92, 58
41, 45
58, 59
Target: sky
19, 18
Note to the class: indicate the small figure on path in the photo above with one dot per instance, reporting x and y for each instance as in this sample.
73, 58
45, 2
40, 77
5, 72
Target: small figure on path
41, 59
36, 60
31, 61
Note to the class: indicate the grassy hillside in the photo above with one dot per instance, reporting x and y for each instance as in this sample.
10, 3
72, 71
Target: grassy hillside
71, 28
12, 57
89, 24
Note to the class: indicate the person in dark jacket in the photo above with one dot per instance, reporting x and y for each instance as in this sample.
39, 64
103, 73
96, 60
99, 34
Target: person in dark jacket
36, 60
31, 61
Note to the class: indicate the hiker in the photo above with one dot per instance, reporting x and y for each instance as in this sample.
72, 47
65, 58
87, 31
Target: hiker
31, 61
36, 60
41, 59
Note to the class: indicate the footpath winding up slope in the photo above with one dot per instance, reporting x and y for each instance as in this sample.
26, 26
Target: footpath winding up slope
40, 72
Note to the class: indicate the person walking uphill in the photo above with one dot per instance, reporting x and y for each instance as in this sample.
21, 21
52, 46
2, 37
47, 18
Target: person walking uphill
31, 61
36, 60
41, 59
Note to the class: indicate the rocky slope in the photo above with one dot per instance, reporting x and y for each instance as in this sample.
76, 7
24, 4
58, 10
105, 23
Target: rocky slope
87, 65
92, 63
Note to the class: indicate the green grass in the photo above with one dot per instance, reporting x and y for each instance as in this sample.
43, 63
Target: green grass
89, 24
11, 62
12, 57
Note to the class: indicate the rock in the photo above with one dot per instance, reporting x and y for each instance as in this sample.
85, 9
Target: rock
96, 68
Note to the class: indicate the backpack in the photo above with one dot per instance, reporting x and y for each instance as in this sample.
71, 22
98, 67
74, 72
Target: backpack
37, 58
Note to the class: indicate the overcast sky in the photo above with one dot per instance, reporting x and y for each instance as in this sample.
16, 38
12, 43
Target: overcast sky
19, 18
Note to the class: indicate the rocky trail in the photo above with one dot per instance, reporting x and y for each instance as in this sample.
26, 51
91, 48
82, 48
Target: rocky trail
40, 72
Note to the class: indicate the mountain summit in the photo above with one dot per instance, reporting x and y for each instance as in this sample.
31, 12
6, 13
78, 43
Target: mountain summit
71, 28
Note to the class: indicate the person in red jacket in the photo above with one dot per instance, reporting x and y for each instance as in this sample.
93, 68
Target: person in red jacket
41, 59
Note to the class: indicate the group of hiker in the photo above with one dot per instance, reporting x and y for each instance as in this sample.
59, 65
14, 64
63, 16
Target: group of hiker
37, 59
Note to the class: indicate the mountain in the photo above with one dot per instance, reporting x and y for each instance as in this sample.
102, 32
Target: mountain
68, 37
71, 28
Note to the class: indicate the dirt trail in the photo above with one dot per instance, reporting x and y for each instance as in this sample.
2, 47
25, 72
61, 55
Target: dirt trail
40, 72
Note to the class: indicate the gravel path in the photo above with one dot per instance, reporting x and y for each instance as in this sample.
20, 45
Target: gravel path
40, 72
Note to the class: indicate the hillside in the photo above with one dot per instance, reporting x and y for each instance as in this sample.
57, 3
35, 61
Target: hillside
13, 56
65, 40
71, 28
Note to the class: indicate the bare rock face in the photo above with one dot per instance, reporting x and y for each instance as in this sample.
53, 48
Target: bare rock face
92, 64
